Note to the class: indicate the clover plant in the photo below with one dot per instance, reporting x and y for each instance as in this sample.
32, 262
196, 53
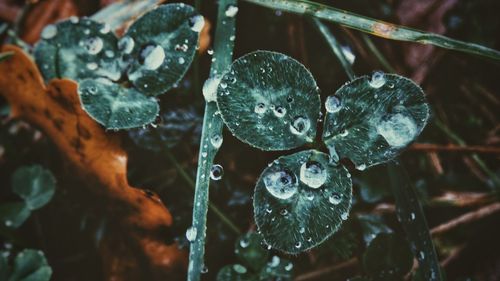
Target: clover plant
119, 79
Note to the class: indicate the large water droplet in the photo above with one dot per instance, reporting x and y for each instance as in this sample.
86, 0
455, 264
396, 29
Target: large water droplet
231, 11
281, 184
289, 266
50, 31
300, 125
332, 104
196, 23
152, 56
210, 88
191, 234
126, 44
397, 129
93, 45
216, 172
377, 79
313, 174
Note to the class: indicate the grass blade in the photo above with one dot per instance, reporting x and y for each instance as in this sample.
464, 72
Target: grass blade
212, 125
375, 27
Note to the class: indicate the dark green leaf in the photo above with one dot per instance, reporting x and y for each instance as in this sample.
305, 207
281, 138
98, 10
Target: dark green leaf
269, 101
35, 185
250, 251
277, 269
164, 43
235, 272
300, 200
4, 266
373, 187
30, 265
370, 120
116, 107
371, 226
388, 257
14, 214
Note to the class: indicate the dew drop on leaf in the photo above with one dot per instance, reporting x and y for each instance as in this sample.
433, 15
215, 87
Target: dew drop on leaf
335, 199
210, 88
152, 56
279, 111
216, 172
260, 108
344, 216
332, 104
50, 31
126, 44
239, 268
313, 174
275, 261
191, 234
397, 129
231, 11
216, 141
377, 79
289, 266
93, 45
281, 184
300, 125
196, 23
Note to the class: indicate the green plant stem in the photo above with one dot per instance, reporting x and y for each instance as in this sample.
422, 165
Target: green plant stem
376, 52
187, 178
412, 218
212, 125
335, 46
474, 156
374, 26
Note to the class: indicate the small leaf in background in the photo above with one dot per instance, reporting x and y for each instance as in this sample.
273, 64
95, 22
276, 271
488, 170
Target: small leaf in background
164, 42
269, 101
277, 269
371, 226
388, 257
250, 252
176, 123
370, 120
372, 187
235, 272
30, 265
35, 185
14, 214
116, 107
300, 200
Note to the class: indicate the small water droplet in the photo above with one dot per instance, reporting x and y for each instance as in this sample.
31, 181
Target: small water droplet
335, 199
204, 269
344, 133
302, 230
109, 53
260, 108
332, 104
269, 210
93, 45
298, 245
126, 44
279, 111
284, 212
216, 172
300, 125
152, 56
244, 243
281, 184
344, 216
8, 223
231, 11
210, 88
181, 60
289, 266
422, 255
210, 51
216, 141
238, 268
232, 37
275, 261
105, 28
191, 234
412, 216
49, 32
196, 23
74, 19
377, 79
313, 174
361, 167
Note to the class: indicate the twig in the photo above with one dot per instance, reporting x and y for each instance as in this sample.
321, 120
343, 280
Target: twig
454, 148
466, 218
326, 270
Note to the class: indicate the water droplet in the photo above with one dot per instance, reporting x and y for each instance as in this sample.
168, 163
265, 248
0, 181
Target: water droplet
91, 90
344, 216
216, 172
191, 234
269, 210
281, 184
238, 268
332, 104
344, 133
210, 88
105, 28
309, 239
377, 80
300, 125
335, 199
244, 243
50, 31
74, 19
231, 11
8, 223
422, 255
196, 23
397, 129
109, 53
298, 245
412, 216
182, 60
126, 44
361, 167
260, 108
210, 51
302, 230
216, 141
310, 197
313, 174
275, 261
92, 66
289, 266
284, 212
204, 269
279, 111
93, 45
152, 56
232, 37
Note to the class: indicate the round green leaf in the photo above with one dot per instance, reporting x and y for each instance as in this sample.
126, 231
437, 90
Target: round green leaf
78, 49
235, 272
35, 185
14, 214
277, 269
163, 43
30, 265
300, 200
269, 101
371, 119
249, 250
388, 257
116, 107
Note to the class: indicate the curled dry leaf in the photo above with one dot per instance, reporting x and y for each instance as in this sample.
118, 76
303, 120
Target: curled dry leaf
140, 217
